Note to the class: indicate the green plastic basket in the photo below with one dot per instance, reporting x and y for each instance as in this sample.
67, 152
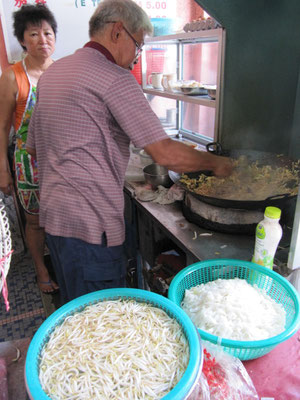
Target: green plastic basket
277, 287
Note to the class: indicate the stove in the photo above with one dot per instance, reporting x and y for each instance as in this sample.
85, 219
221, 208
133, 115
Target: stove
227, 220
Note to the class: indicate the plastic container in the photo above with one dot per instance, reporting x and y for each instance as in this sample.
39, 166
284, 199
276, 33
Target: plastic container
274, 285
267, 237
162, 26
188, 385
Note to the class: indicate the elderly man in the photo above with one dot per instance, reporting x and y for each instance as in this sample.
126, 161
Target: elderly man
89, 107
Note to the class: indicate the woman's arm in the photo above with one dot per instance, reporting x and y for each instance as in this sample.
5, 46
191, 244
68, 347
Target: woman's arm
31, 151
8, 92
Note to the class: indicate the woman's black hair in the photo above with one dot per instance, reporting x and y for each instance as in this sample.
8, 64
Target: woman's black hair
32, 15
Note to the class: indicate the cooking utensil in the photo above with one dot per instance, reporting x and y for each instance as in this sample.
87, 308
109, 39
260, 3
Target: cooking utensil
263, 158
157, 175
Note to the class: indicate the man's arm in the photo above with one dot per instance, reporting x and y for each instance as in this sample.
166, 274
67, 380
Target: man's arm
179, 157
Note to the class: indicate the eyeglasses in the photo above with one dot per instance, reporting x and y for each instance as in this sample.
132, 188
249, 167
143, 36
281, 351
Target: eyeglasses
139, 48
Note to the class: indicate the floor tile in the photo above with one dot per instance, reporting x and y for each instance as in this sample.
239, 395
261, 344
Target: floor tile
26, 312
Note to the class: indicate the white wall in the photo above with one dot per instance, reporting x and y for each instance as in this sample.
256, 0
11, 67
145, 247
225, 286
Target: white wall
72, 24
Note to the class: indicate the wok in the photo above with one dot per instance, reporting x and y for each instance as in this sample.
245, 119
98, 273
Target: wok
263, 158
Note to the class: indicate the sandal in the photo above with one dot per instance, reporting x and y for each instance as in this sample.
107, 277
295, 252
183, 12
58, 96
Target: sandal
48, 283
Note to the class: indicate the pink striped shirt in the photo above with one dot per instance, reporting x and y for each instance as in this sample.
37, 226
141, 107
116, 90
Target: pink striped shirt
88, 110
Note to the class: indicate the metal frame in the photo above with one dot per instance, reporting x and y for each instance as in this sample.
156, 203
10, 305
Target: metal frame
294, 253
206, 36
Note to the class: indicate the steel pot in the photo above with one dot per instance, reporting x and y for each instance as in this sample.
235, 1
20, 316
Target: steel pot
157, 175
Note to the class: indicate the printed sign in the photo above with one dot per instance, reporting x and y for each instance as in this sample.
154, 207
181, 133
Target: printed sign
72, 18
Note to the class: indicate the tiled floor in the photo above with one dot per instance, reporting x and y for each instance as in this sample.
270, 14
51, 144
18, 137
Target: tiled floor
26, 308
26, 304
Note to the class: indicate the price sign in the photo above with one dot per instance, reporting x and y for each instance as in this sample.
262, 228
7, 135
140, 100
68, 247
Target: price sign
158, 9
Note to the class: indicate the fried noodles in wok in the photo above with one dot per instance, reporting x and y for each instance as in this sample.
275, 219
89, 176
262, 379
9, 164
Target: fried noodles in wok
247, 182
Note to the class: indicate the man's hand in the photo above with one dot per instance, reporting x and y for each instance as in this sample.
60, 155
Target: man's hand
223, 167
6, 182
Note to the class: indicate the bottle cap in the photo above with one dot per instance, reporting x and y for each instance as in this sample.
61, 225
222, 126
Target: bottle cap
273, 212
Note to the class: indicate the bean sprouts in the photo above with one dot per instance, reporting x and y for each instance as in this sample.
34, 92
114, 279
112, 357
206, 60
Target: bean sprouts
117, 349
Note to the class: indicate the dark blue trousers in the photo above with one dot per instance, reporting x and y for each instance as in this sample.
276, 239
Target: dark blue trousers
82, 267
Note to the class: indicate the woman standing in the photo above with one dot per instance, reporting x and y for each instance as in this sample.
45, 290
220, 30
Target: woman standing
35, 28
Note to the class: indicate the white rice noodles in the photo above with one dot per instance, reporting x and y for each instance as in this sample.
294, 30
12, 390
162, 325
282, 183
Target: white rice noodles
233, 309
118, 349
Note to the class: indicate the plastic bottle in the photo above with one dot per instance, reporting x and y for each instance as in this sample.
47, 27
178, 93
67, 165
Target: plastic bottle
267, 237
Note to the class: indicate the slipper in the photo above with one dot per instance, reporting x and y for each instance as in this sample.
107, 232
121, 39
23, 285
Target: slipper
49, 283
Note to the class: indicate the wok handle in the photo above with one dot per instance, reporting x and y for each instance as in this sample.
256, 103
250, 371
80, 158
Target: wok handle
214, 147
278, 197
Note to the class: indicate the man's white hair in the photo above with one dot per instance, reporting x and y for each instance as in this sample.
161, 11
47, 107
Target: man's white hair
127, 11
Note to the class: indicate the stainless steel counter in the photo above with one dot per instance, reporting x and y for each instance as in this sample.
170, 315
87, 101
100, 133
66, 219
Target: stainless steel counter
191, 238
197, 243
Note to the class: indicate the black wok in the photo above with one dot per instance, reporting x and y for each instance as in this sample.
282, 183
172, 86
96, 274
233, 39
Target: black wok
263, 158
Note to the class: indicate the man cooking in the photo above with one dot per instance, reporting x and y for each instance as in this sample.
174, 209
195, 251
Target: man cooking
89, 107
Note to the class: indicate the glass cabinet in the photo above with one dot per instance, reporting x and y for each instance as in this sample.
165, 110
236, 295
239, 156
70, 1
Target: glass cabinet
177, 70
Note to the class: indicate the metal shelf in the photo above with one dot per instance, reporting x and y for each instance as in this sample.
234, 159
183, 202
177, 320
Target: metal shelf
210, 35
201, 100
